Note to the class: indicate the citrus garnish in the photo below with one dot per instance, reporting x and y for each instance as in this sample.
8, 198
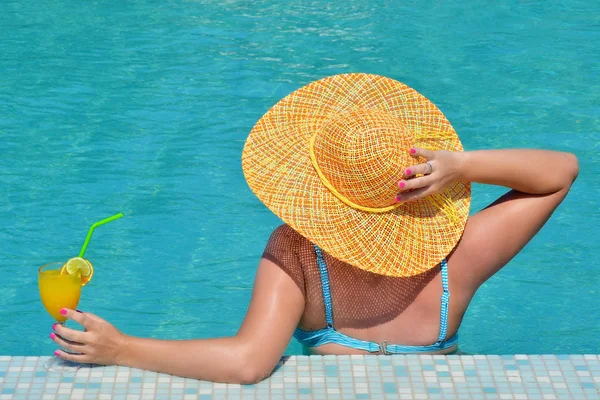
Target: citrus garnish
81, 266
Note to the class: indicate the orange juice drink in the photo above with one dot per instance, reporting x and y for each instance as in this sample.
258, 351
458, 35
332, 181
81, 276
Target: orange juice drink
58, 290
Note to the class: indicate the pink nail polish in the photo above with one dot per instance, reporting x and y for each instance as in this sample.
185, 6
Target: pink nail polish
52, 336
408, 172
401, 185
63, 311
413, 151
398, 199
57, 353
54, 327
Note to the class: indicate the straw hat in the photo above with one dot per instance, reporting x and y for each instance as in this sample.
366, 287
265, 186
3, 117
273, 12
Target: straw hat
326, 160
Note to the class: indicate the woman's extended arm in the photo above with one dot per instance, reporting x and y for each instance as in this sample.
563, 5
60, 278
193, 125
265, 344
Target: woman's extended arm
250, 356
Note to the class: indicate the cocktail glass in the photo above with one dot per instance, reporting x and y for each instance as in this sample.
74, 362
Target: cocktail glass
59, 291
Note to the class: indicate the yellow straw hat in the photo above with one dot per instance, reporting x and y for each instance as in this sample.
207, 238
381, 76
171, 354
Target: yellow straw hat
326, 159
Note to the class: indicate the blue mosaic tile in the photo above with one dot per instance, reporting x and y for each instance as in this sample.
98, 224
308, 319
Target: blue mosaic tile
390, 387
343, 377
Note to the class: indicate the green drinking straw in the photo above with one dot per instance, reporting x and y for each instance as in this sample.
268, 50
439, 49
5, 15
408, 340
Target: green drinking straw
94, 226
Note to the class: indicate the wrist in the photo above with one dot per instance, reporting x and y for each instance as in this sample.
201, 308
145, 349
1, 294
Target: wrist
124, 351
461, 161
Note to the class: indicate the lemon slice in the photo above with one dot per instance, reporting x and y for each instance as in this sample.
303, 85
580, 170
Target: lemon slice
81, 266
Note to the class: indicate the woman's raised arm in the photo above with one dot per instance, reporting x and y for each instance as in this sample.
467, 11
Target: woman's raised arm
525, 170
539, 180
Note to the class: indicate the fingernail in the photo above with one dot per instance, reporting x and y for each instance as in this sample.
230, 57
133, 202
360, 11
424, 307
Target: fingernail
413, 151
398, 199
408, 172
63, 311
54, 327
52, 336
79, 311
57, 353
401, 185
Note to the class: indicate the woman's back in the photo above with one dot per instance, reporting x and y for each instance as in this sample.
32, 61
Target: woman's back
365, 305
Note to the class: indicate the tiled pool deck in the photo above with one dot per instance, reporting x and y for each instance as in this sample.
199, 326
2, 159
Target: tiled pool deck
329, 377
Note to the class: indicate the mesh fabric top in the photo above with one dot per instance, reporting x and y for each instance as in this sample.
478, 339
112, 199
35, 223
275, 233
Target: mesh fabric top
360, 299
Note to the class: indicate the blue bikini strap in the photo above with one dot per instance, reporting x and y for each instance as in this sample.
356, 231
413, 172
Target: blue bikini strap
327, 295
445, 299
325, 286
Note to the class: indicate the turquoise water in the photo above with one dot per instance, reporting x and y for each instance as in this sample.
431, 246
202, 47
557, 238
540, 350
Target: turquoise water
143, 107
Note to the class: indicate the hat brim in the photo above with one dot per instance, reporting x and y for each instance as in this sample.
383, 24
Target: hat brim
406, 241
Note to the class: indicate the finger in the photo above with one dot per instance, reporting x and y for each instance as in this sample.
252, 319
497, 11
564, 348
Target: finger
414, 194
416, 183
421, 152
80, 358
79, 317
66, 344
69, 334
92, 316
419, 169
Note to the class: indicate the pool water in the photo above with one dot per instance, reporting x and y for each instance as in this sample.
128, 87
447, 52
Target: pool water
143, 107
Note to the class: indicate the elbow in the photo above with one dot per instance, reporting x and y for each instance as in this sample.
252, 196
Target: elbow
250, 372
252, 366
250, 378
571, 169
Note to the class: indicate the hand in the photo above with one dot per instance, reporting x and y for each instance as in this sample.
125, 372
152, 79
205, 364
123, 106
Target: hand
444, 171
101, 343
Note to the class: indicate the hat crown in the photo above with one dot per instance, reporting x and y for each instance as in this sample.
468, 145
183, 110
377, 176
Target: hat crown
362, 154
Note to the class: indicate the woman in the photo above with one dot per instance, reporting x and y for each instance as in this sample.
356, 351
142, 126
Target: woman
378, 253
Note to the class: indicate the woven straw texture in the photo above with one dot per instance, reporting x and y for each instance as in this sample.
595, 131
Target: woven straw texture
326, 160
